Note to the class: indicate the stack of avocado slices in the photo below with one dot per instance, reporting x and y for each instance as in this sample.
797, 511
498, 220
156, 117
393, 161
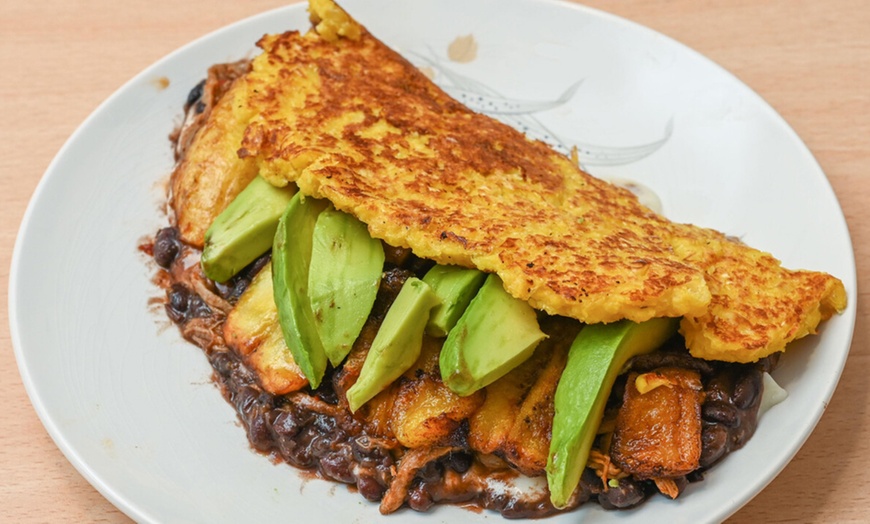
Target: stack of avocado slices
326, 272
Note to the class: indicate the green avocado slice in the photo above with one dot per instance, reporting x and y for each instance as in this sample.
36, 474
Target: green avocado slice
397, 344
245, 229
595, 359
291, 263
346, 268
496, 333
455, 286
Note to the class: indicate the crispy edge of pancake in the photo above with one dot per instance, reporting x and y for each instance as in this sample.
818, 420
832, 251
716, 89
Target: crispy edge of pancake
758, 306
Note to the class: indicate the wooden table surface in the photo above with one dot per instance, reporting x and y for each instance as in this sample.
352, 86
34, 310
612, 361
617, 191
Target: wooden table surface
809, 60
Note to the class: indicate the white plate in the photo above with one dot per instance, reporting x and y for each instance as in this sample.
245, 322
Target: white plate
132, 406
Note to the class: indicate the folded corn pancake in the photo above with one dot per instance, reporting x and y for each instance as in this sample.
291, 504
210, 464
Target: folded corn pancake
346, 118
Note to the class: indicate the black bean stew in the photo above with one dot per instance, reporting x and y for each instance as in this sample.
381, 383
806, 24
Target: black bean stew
312, 431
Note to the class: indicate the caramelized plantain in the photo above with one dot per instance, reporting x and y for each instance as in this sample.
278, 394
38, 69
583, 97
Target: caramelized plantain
426, 412
658, 428
516, 419
211, 173
252, 330
528, 442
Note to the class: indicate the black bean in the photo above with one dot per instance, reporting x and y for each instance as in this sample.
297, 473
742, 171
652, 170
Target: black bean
178, 299
338, 465
419, 266
720, 412
324, 423
718, 389
519, 507
419, 499
626, 494
294, 432
223, 362
245, 399
769, 363
298, 451
319, 445
166, 246
176, 306
195, 94
591, 482
299, 455
395, 256
232, 289
326, 393
184, 304
742, 432
458, 461
500, 501
714, 444
259, 430
617, 392
254, 410
747, 389
287, 424
369, 487
681, 483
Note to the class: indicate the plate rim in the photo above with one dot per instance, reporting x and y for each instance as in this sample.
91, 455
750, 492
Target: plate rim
133, 510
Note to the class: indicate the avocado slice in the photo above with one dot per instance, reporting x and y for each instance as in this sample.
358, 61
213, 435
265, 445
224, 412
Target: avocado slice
245, 229
595, 359
346, 268
397, 344
291, 262
496, 333
455, 286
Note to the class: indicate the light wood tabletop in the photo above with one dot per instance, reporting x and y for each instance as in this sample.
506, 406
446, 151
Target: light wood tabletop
809, 60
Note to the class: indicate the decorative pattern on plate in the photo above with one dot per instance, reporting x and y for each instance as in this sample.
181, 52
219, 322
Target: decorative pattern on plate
519, 114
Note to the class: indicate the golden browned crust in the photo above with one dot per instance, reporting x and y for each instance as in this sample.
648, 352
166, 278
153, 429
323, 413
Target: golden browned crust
353, 122
348, 119
758, 306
